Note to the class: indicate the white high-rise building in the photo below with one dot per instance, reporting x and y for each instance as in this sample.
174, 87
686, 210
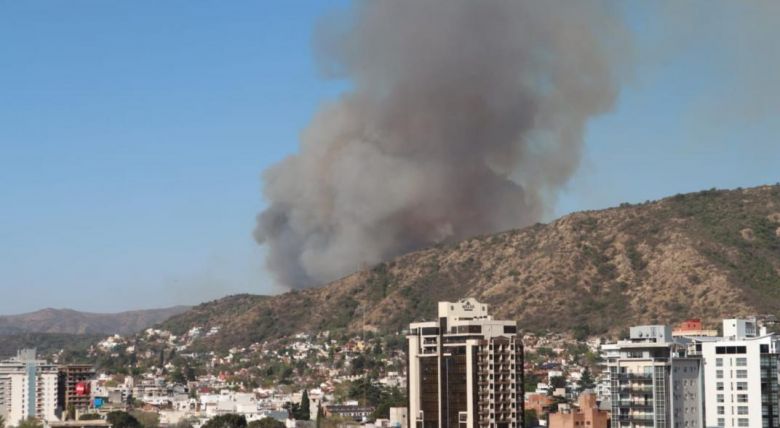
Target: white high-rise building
465, 370
28, 388
653, 382
741, 376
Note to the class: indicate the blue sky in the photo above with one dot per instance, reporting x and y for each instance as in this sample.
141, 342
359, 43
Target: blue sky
133, 136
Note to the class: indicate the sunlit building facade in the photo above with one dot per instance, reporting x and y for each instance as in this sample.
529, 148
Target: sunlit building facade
465, 370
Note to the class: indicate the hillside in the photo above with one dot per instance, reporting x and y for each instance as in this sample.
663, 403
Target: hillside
46, 343
66, 321
709, 254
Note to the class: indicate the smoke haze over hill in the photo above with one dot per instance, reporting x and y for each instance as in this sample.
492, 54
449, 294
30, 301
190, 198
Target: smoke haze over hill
465, 118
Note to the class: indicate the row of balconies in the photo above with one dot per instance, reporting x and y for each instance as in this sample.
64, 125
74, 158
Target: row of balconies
635, 404
502, 390
500, 396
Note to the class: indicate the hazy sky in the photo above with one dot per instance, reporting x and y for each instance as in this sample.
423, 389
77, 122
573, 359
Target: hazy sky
133, 135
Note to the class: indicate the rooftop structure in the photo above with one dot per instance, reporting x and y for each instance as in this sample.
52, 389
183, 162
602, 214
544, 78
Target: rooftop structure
692, 327
587, 415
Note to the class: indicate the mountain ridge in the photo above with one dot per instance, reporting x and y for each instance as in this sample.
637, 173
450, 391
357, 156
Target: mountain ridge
706, 254
70, 321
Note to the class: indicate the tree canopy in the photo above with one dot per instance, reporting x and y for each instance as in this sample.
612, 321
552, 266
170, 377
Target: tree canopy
230, 420
122, 420
266, 423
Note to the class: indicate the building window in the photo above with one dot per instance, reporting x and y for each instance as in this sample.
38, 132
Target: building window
721, 410
719, 374
742, 410
720, 398
742, 398
743, 422
741, 374
730, 350
741, 362
741, 386
719, 386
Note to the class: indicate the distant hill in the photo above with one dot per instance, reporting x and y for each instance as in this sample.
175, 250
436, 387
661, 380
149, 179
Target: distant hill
708, 254
48, 343
66, 321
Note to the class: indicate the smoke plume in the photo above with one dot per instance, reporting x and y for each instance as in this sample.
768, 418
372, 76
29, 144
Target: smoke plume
464, 118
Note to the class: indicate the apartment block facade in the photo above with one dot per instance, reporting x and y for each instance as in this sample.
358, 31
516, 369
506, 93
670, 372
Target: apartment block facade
74, 391
465, 370
741, 376
28, 388
653, 382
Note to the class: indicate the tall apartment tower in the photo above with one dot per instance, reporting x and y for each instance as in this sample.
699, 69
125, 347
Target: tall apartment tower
741, 376
465, 370
28, 388
75, 387
653, 382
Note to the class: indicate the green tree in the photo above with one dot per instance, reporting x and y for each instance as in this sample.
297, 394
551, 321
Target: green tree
122, 420
587, 382
389, 397
2, 422
266, 423
178, 377
189, 373
366, 392
529, 382
545, 352
358, 364
230, 420
285, 374
530, 418
292, 409
320, 416
303, 410
30, 423
558, 382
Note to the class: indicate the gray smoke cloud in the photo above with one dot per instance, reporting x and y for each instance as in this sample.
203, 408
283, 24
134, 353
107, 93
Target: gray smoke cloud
464, 118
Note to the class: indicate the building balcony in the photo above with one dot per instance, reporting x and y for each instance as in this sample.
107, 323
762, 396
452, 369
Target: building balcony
635, 404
